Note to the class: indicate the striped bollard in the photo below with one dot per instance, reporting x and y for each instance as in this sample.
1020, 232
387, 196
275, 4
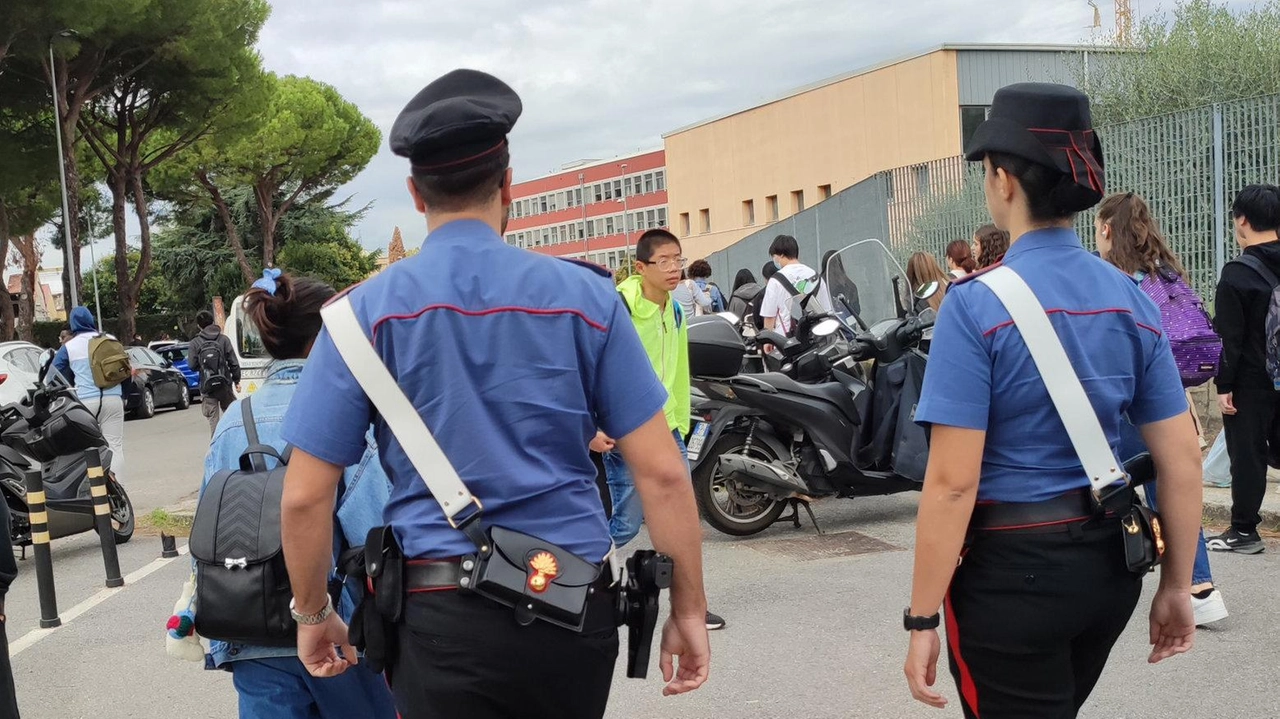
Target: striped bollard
38, 517
102, 517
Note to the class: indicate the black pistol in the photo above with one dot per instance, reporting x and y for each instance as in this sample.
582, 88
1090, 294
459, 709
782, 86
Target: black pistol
648, 573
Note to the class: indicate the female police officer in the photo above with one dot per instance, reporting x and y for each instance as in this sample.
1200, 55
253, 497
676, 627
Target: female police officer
1043, 591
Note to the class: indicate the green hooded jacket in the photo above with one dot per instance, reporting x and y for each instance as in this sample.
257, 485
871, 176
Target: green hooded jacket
667, 346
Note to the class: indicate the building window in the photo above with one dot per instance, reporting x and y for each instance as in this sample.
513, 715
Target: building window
555, 235
660, 180
748, 213
772, 202
662, 217
650, 220
608, 190
617, 189
577, 196
970, 117
797, 201
595, 190
704, 220
591, 229
542, 202
684, 224
627, 191
608, 225
648, 182
824, 192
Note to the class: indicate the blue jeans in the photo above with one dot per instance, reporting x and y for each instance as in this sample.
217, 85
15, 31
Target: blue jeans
628, 515
281, 688
1200, 573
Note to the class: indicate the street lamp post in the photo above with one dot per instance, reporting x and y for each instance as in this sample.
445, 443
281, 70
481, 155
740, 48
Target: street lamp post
626, 220
586, 236
62, 174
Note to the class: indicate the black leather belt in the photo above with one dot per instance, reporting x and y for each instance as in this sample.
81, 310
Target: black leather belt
1057, 514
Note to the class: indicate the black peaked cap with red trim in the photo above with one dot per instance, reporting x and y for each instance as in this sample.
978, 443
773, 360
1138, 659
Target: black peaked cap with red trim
1049, 125
456, 122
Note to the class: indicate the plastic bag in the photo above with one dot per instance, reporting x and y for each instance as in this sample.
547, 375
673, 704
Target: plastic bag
1217, 465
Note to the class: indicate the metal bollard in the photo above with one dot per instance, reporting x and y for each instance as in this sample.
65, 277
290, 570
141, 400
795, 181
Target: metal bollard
102, 517
38, 516
168, 546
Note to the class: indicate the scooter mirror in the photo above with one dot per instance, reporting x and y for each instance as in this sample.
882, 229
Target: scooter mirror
927, 291
826, 327
46, 361
928, 316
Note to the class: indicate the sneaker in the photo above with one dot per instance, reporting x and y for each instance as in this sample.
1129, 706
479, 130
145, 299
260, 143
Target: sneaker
1235, 541
1218, 484
1209, 608
714, 622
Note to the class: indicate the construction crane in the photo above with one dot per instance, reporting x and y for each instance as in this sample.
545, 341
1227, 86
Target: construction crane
1124, 21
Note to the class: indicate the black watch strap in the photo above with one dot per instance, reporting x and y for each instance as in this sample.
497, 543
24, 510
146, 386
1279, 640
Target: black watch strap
915, 624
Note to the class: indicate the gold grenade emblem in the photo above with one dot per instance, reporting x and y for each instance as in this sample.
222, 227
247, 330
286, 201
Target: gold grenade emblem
1159, 535
544, 569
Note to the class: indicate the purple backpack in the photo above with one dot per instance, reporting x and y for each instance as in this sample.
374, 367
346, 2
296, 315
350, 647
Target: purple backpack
1197, 349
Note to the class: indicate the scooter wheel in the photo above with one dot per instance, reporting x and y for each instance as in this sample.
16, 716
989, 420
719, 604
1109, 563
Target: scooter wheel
727, 504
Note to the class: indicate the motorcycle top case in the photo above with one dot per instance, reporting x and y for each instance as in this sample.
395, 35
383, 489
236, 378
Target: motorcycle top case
70, 428
716, 350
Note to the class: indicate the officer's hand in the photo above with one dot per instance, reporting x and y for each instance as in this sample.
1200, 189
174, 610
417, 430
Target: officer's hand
1226, 403
685, 637
1173, 624
318, 647
602, 443
922, 667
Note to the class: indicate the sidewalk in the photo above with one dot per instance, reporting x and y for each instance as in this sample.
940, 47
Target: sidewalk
1217, 506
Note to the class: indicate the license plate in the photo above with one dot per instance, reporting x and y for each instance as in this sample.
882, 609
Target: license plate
697, 439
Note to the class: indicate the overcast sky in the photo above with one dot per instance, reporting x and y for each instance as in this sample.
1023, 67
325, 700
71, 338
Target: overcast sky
604, 78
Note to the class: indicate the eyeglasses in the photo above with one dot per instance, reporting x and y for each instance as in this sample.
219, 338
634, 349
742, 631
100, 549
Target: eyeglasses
668, 265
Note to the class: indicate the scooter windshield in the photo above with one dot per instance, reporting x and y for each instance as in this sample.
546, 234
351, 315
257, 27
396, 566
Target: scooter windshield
865, 282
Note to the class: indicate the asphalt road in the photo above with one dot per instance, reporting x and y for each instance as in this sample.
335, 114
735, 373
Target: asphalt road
814, 628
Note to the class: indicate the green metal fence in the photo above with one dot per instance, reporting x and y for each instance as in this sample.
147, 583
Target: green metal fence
1188, 165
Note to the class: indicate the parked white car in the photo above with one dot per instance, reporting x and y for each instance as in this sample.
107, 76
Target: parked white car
19, 370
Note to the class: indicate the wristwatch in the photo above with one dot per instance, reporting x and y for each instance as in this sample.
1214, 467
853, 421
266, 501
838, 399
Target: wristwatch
917, 624
312, 619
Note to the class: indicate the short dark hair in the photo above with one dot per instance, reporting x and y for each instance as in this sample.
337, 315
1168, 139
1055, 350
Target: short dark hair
650, 241
204, 318
1260, 205
1051, 195
785, 246
700, 268
768, 270
466, 189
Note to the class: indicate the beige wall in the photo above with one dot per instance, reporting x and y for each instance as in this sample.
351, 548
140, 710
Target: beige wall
835, 135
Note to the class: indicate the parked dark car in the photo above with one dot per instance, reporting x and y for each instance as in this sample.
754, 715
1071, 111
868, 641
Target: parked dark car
155, 383
177, 354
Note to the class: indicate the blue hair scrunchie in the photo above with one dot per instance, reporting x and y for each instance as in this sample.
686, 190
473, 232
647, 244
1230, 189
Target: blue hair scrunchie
268, 281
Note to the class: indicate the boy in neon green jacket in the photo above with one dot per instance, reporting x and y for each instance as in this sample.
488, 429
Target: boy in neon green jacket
664, 331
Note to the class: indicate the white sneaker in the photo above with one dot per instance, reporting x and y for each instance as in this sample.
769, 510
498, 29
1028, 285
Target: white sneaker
1210, 609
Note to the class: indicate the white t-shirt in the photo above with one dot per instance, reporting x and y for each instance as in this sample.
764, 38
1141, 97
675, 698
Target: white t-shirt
776, 303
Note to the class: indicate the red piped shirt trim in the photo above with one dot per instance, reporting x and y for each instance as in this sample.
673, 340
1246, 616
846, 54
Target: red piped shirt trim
552, 312
1082, 313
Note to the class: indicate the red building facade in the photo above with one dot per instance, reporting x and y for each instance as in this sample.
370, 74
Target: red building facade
595, 211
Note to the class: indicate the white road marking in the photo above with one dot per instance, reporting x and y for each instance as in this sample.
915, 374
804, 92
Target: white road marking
34, 636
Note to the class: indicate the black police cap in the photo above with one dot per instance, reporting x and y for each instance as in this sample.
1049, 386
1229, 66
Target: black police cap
455, 122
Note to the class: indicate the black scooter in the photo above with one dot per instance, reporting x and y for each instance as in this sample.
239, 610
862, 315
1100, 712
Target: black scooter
824, 427
51, 427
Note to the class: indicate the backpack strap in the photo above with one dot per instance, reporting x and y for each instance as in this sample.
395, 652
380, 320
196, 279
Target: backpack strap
253, 457
1260, 267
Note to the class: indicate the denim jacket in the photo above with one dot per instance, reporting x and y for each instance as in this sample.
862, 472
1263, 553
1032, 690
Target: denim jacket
358, 510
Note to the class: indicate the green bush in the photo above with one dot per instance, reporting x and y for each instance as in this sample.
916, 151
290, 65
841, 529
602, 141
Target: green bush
180, 328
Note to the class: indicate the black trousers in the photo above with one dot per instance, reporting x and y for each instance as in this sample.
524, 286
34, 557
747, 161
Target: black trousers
1031, 619
1249, 438
8, 696
461, 655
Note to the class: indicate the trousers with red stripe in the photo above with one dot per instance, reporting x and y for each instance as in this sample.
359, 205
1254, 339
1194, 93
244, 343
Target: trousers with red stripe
1032, 616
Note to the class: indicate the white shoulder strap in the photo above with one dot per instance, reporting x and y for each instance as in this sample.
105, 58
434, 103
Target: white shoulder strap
406, 424
1065, 389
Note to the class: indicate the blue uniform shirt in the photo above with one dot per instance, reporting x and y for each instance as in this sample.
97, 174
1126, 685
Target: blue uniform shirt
981, 376
513, 359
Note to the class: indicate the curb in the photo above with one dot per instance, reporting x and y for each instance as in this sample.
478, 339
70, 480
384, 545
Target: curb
1217, 512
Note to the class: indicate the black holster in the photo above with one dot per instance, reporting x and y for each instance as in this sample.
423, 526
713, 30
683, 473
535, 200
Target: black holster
373, 626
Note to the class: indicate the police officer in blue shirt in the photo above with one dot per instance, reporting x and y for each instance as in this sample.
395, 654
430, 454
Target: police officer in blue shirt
1043, 591
512, 359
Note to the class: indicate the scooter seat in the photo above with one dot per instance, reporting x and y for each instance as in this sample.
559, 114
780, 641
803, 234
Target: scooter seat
833, 392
